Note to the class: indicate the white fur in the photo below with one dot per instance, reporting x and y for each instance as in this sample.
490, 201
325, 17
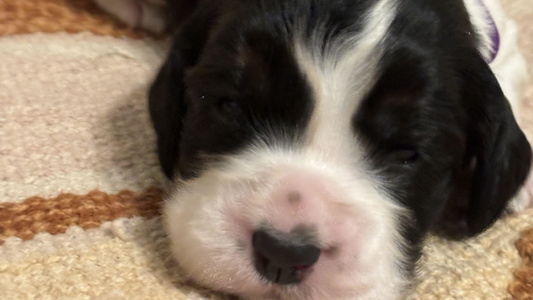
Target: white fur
211, 219
341, 78
524, 199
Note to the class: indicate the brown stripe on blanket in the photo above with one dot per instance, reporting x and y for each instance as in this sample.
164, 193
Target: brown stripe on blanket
522, 286
36, 214
50, 16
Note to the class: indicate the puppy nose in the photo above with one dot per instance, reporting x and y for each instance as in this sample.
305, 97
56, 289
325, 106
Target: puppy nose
280, 260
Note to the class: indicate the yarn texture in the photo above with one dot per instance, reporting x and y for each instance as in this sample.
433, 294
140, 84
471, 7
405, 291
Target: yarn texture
81, 188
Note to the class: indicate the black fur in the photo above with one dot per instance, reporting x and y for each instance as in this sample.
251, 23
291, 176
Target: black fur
436, 123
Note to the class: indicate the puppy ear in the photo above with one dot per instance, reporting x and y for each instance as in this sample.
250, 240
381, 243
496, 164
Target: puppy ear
498, 155
166, 95
167, 108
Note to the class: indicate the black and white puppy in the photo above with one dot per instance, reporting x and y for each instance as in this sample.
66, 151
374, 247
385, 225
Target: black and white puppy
315, 143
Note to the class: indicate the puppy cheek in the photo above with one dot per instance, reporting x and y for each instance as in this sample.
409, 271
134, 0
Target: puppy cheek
206, 245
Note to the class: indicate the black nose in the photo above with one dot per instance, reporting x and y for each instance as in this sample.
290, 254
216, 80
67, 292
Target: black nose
281, 260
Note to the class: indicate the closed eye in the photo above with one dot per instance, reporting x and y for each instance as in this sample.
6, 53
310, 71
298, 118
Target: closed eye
405, 154
228, 107
225, 109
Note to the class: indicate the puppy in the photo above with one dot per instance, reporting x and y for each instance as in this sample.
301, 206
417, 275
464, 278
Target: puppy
314, 144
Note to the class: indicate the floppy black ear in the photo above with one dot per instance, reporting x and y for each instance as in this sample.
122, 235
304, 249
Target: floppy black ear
166, 110
166, 96
498, 155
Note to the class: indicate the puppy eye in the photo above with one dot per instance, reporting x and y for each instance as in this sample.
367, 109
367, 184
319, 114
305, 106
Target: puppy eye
229, 111
228, 107
224, 105
406, 154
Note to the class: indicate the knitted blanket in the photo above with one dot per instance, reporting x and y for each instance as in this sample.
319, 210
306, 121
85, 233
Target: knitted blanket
80, 187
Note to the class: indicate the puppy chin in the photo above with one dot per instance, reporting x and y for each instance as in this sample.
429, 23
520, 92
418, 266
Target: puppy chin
211, 219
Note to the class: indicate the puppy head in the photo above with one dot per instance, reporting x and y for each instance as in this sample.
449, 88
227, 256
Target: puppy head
313, 145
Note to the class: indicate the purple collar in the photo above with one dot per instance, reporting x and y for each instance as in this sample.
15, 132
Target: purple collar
493, 34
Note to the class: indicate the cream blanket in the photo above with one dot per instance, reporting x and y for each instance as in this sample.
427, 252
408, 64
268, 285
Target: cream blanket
73, 119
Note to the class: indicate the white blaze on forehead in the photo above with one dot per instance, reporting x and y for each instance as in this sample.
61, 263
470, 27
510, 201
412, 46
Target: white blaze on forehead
341, 77
212, 218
